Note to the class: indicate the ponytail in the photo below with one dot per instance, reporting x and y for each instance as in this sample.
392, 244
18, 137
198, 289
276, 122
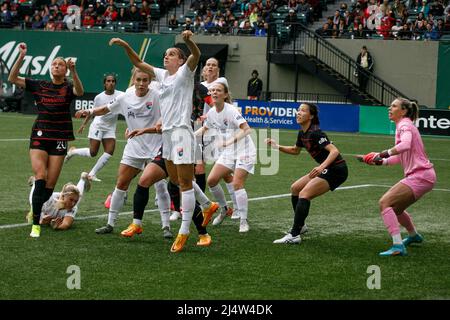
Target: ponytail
411, 107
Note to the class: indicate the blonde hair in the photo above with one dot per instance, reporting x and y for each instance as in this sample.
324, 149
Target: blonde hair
411, 107
229, 98
68, 189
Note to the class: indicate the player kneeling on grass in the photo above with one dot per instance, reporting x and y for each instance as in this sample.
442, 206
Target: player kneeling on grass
237, 152
59, 211
330, 174
418, 170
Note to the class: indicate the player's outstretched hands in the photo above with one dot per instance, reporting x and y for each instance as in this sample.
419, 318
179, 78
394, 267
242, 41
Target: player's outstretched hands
372, 158
272, 143
134, 133
187, 35
117, 41
23, 48
82, 114
71, 65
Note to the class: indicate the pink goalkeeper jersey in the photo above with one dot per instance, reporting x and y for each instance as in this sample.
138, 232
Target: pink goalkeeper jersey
412, 152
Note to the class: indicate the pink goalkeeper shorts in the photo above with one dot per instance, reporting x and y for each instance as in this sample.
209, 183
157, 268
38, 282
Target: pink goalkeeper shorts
420, 182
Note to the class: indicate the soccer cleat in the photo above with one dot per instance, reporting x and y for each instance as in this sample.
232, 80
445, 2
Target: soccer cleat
167, 234
235, 215
204, 240
108, 201
243, 226
175, 216
289, 239
87, 181
219, 219
179, 242
209, 212
418, 238
29, 217
95, 179
69, 155
104, 230
395, 250
132, 230
35, 231
31, 180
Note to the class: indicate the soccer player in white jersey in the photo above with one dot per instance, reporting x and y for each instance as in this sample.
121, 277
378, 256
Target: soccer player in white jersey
102, 129
177, 85
140, 107
60, 209
237, 153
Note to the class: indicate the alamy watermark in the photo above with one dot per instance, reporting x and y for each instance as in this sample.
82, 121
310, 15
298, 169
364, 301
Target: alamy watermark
74, 280
374, 280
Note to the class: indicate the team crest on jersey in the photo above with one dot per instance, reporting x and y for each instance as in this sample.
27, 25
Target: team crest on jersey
131, 114
149, 105
39, 133
180, 152
62, 91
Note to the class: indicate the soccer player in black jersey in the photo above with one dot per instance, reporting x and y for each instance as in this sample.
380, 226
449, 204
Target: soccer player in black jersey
328, 175
52, 127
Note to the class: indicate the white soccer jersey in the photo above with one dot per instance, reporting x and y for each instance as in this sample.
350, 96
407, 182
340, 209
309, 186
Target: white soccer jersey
208, 85
224, 125
139, 113
49, 208
176, 97
107, 121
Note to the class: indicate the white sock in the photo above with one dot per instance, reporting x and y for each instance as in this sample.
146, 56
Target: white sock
80, 186
242, 203
101, 162
219, 195
188, 205
137, 222
163, 202
83, 152
397, 239
232, 194
200, 196
117, 200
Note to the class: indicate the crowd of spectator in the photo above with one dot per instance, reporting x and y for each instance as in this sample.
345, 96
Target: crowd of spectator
397, 19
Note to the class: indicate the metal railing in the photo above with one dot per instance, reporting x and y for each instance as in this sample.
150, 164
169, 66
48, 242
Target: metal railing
304, 97
297, 39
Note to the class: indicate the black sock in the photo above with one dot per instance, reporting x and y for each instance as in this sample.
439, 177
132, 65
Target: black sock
38, 199
301, 212
294, 200
200, 179
140, 201
197, 217
48, 193
174, 192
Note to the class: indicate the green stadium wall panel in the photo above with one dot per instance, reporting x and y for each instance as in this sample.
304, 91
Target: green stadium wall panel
375, 120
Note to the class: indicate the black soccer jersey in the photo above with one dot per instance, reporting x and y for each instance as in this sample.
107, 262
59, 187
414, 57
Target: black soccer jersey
314, 141
54, 121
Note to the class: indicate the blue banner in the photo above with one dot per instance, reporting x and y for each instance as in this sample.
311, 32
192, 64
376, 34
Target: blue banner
281, 115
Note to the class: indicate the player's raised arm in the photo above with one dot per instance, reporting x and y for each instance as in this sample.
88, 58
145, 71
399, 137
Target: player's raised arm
134, 58
14, 74
194, 57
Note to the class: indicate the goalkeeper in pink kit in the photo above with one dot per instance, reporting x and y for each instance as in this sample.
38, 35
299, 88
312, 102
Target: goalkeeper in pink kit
419, 179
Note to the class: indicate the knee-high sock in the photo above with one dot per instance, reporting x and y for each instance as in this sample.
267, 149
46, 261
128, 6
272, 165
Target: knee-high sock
230, 188
140, 200
406, 221
163, 202
391, 223
242, 203
38, 199
200, 179
219, 195
101, 162
83, 152
174, 192
301, 212
80, 186
294, 200
188, 205
48, 193
200, 197
198, 219
117, 200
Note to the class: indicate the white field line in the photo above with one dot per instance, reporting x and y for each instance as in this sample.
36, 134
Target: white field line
284, 195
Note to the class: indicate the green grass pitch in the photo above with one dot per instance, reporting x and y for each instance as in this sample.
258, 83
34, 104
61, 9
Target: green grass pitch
344, 238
